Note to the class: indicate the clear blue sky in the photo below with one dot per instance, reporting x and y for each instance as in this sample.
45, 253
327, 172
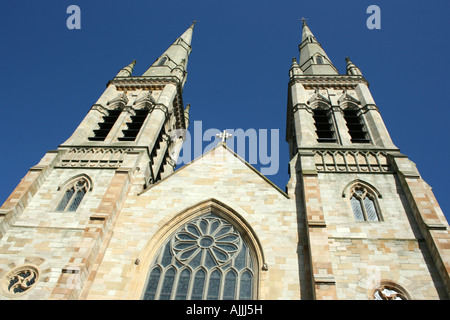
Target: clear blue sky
238, 69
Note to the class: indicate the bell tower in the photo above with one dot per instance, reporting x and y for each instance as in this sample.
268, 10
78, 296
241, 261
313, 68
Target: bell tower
355, 189
130, 139
139, 114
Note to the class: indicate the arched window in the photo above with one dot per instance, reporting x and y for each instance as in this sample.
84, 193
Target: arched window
319, 60
364, 205
356, 126
205, 259
161, 61
323, 120
73, 195
105, 127
134, 125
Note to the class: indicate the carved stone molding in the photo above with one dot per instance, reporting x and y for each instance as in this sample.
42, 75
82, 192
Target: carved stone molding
351, 161
318, 97
146, 101
347, 98
120, 100
101, 109
145, 83
86, 157
329, 81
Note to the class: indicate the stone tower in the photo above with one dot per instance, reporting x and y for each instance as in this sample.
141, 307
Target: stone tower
129, 139
373, 228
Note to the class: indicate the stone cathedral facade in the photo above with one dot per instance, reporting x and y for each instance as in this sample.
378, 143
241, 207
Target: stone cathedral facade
107, 216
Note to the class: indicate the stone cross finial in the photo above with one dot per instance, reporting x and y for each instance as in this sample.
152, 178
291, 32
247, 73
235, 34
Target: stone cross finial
224, 136
303, 20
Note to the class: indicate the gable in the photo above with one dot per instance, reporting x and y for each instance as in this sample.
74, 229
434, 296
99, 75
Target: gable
218, 164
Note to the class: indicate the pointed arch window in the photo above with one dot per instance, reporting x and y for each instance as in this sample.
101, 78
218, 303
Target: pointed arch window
105, 127
134, 125
356, 126
205, 259
73, 195
323, 120
364, 204
161, 61
319, 60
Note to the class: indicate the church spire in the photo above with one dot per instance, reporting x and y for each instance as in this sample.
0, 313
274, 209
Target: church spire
127, 71
174, 60
313, 59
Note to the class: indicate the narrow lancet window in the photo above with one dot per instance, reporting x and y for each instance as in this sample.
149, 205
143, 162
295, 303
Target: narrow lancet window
364, 205
319, 60
205, 259
73, 196
324, 123
134, 125
356, 127
105, 127
161, 61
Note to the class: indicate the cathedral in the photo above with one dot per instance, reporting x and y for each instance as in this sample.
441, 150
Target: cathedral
106, 216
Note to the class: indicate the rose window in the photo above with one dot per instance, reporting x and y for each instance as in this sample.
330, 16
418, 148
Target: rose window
20, 280
213, 235
206, 258
389, 292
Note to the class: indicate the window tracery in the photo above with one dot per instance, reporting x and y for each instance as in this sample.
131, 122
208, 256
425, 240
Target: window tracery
364, 205
20, 280
73, 195
389, 291
206, 258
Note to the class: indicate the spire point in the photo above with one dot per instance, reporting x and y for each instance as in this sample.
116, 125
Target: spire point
127, 71
303, 21
313, 59
175, 58
352, 69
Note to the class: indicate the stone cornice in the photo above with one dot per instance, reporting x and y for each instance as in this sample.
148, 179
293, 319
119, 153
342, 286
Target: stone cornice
328, 81
145, 83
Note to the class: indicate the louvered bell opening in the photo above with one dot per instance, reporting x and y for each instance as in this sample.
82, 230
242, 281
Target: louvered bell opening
356, 127
134, 126
324, 126
105, 126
